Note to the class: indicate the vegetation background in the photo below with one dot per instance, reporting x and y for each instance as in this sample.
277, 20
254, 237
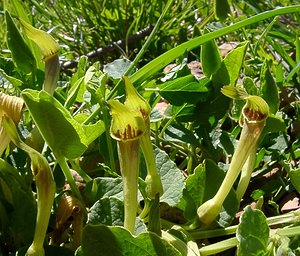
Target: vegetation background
193, 132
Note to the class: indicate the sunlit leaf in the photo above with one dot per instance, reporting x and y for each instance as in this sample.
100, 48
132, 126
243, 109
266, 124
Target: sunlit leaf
20, 51
185, 89
210, 58
64, 135
252, 233
269, 88
118, 241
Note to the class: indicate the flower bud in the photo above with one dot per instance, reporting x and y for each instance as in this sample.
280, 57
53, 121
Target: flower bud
50, 50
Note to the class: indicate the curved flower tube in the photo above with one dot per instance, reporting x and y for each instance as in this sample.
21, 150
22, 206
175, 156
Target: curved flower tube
254, 115
45, 185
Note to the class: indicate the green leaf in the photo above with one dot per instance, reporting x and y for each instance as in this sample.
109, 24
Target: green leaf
274, 124
252, 233
104, 187
210, 58
107, 211
269, 88
185, 89
250, 86
64, 135
103, 240
75, 93
181, 240
212, 110
184, 113
20, 51
194, 192
117, 68
77, 84
19, 204
178, 133
222, 9
229, 71
214, 177
294, 175
227, 142
12, 80
171, 177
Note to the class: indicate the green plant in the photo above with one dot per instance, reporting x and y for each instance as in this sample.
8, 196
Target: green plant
111, 173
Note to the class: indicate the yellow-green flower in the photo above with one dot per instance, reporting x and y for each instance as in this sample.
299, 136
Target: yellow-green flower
50, 52
134, 101
127, 128
254, 115
11, 106
126, 124
45, 186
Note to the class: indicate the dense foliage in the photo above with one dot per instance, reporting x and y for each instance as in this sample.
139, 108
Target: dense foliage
149, 128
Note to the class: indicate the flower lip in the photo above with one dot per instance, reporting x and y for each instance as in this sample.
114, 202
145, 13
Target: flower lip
253, 115
126, 124
128, 133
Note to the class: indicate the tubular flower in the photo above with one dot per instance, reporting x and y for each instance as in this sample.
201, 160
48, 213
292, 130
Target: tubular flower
11, 106
136, 102
127, 128
254, 114
45, 185
50, 51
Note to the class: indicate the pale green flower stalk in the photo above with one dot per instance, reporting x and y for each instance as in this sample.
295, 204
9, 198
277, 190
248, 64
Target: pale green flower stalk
45, 185
246, 175
254, 115
127, 128
11, 106
135, 101
50, 52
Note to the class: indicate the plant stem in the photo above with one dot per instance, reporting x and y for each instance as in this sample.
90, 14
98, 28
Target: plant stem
68, 175
109, 141
219, 247
129, 165
291, 217
76, 166
246, 146
171, 120
153, 181
246, 175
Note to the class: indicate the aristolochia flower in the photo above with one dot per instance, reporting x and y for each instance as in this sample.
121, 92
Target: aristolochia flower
127, 127
11, 106
50, 51
254, 114
45, 186
136, 102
